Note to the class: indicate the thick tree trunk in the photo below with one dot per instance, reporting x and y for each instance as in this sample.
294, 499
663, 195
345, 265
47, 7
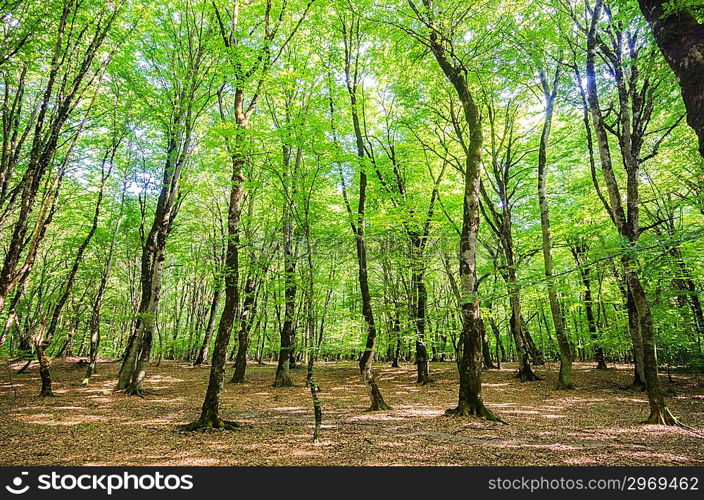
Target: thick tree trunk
470, 344
681, 39
659, 413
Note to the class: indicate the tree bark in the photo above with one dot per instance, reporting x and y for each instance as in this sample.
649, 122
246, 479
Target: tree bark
285, 362
626, 221
202, 356
210, 411
681, 40
564, 379
470, 343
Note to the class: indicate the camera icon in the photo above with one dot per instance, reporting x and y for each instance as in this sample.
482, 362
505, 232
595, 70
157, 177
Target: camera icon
16, 488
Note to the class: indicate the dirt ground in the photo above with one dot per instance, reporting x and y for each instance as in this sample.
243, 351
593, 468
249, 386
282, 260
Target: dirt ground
596, 424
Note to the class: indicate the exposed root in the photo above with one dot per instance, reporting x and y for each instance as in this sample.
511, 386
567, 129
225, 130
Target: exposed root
137, 391
562, 386
663, 416
210, 424
47, 394
480, 411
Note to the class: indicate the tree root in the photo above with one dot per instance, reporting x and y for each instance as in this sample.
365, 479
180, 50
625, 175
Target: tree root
527, 375
663, 417
379, 406
136, 391
480, 411
285, 382
209, 424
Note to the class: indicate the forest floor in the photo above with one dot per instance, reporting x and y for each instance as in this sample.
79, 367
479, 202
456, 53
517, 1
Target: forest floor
596, 424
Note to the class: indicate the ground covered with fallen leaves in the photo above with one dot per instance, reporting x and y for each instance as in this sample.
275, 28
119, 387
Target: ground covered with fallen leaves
596, 424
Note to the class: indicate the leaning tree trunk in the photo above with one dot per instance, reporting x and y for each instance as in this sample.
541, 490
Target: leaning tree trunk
367, 358
134, 363
202, 356
249, 311
45, 339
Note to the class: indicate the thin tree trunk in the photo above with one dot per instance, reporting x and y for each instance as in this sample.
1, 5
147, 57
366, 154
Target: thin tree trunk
202, 356
564, 379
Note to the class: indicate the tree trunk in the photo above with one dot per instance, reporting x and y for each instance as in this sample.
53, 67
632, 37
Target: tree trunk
681, 39
626, 222
202, 356
421, 298
283, 378
210, 411
133, 367
249, 310
486, 349
564, 379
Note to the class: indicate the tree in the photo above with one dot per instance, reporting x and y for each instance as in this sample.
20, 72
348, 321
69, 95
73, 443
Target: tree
186, 52
440, 43
266, 53
631, 127
550, 95
680, 37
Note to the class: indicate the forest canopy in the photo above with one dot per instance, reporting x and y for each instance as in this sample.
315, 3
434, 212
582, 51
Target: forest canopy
381, 181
